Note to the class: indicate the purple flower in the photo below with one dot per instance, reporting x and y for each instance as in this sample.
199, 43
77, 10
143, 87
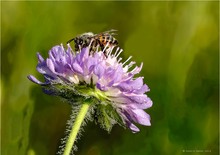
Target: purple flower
116, 96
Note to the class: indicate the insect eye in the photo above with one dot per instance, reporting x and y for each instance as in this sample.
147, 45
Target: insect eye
80, 41
115, 42
76, 40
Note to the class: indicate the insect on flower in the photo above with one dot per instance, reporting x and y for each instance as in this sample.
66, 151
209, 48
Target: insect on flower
102, 40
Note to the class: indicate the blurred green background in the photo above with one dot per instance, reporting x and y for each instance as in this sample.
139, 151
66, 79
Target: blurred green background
178, 43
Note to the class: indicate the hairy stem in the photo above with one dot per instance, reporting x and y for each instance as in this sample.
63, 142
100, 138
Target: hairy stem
75, 129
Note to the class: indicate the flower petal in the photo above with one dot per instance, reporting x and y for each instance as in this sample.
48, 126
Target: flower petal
133, 128
99, 70
139, 116
40, 58
142, 90
77, 68
33, 79
50, 65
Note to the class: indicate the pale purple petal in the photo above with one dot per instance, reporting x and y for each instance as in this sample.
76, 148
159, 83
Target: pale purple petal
133, 128
40, 58
33, 79
137, 83
50, 65
82, 55
99, 70
77, 68
138, 116
43, 69
142, 90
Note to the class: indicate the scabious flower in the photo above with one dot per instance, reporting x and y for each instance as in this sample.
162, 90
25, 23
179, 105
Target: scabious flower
115, 95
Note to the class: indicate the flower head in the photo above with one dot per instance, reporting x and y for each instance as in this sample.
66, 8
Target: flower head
116, 95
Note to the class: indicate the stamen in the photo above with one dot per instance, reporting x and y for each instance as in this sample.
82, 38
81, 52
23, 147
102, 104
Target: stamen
119, 53
120, 60
116, 51
135, 68
70, 49
80, 48
63, 51
127, 60
110, 51
91, 42
131, 64
105, 47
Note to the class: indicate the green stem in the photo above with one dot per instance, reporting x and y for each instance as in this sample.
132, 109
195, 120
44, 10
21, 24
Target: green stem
75, 129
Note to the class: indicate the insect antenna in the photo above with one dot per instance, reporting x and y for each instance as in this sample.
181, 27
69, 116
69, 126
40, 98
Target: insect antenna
70, 40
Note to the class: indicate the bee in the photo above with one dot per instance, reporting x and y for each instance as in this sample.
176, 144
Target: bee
103, 40
82, 40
